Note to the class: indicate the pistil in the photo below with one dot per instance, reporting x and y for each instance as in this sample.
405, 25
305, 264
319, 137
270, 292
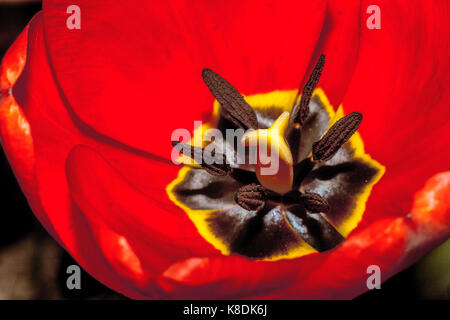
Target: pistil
273, 171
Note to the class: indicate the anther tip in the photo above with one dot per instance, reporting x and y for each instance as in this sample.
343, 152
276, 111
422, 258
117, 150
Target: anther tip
206, 72
358, 114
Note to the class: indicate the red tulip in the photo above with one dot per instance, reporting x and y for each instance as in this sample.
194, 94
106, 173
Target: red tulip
86, 117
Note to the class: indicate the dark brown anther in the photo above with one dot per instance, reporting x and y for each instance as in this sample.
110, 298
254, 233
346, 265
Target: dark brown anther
234, 107
251, 197
336, 136
300, 111
314, 203
207, 161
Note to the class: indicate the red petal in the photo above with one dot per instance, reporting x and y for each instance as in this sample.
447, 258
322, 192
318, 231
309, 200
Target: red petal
14, 127
232, 277
13, 62
122, 258
339, 41
136, 80
400, 86
54, 135
431, 205
104, 195
15, 132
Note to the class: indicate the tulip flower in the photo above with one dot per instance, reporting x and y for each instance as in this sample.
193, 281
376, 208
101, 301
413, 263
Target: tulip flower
87, 116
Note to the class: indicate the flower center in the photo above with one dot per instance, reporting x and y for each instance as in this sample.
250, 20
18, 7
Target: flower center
308, 202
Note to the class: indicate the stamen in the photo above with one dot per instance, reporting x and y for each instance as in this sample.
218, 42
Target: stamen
207, 161
300, 111
336, 136
234, 107
251, 197
314, 203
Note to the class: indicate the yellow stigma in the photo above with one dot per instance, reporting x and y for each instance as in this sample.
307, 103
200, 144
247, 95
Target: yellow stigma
274, 171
